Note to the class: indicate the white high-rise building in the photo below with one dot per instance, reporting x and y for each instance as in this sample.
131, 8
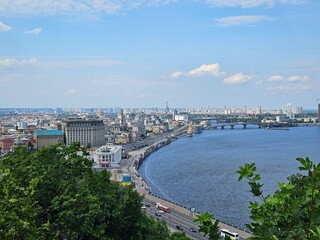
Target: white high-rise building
298, 110
287, 110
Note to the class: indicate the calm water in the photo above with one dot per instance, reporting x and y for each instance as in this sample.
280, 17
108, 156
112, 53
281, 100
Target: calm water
200, 172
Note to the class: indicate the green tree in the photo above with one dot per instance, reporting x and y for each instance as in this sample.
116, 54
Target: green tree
54, 194
207, 226
179, 236
293, 212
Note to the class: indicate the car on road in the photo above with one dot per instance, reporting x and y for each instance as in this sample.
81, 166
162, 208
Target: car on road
179, 227
160, 211
192, 230
157, 214
147, 205
143, 207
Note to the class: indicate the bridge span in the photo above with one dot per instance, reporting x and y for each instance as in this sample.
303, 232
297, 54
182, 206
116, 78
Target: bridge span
231, 125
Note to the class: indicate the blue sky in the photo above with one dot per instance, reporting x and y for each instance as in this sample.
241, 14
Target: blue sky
139, 53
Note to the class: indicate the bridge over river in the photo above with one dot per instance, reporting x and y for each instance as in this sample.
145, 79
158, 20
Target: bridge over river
231, 125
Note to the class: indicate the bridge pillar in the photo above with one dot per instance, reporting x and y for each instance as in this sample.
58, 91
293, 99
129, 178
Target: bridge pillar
222, 127
232, 126
244, 126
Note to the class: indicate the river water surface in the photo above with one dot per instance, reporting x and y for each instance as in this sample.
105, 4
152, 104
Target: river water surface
200, 172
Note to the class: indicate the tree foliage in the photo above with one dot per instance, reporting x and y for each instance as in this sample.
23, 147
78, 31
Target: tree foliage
54, 194
207, 227
293, 212
179, 236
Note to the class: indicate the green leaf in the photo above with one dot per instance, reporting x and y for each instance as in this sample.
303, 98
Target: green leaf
307, 165
247, 171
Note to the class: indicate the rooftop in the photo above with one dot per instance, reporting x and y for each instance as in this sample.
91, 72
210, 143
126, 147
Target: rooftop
49, 132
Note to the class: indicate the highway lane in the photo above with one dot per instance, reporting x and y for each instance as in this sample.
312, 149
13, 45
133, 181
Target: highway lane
174, 218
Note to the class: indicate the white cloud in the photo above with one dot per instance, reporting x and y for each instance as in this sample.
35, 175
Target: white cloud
34, 31
8, 62
294, 2
205, 69
210, 69
291, 87
250, 3
294, 83
240, 20
71, 91
237, 78
11, 62
74, 7
4, 27
297, 78
176, 74
275, 78
31, 61
293, 78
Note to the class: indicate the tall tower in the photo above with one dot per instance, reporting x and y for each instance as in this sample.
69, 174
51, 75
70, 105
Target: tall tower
167, 107
122, 119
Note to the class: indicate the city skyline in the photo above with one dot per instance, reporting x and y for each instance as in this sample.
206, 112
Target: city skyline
143, 53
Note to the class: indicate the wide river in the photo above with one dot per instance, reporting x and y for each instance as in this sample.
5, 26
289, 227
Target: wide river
200, 172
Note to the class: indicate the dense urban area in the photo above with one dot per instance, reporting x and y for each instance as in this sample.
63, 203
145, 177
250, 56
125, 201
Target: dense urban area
120, 139
126, 129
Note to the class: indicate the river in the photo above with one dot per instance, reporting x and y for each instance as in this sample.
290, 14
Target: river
200, 172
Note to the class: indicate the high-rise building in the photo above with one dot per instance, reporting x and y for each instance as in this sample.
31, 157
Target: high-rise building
318, 111
167, 107
175, 113
87, 132
298, 110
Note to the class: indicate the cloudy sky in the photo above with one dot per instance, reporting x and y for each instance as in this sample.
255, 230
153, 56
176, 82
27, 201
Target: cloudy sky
142, 53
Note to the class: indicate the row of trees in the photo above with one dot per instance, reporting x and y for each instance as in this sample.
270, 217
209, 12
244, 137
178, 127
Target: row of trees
54, 194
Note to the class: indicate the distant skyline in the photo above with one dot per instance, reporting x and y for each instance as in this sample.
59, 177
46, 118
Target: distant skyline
142, 53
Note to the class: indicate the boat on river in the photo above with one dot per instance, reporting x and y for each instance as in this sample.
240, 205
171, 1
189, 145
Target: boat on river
277, 128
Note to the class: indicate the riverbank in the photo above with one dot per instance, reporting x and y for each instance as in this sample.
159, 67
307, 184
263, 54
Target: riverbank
200, 172
136, 159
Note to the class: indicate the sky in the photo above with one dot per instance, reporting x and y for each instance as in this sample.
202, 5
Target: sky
142, 53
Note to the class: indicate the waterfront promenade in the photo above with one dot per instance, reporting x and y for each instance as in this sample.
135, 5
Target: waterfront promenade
130, 165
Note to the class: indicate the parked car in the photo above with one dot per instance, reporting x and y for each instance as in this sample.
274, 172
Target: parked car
192, 230
157, 214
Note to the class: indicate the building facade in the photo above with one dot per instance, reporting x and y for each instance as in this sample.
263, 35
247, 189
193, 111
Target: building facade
107, 156
48, 137
6, 145
90, 133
